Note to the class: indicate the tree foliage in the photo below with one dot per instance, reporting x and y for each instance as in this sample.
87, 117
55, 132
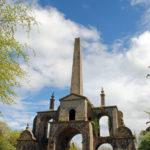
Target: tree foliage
8, 138
144, 139
12, 52
145, 142
74, 146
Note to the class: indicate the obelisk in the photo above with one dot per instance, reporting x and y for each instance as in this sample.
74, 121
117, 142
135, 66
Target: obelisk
76, 80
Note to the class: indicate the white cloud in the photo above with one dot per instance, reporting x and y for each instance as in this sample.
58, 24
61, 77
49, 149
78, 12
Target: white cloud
143, 23
145, 19
17, 115
52, 64
123, 76
54, 48
134, 2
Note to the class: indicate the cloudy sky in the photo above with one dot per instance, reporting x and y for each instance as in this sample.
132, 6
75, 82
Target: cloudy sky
116, 54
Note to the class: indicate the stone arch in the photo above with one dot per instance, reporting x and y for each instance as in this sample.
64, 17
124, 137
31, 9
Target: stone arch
71, 128
63, 137
108, 145
41, 129
104, 126
49, 126
110, 124
72, 114
45, 125
76, 141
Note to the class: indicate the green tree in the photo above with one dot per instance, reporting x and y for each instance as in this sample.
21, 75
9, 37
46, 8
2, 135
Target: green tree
12, 52
73, 147
8, 138
144, 138
145, 142
13, 136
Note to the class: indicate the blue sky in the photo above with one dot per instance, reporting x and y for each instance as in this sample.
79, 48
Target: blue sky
115, 41
114, 19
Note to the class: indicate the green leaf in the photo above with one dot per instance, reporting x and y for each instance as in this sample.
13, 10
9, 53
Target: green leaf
12, 52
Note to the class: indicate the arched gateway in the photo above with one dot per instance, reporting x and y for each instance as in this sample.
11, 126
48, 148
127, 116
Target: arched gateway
63, 138
76, 115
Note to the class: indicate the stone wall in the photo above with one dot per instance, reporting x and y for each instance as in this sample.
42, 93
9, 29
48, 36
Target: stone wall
76, 103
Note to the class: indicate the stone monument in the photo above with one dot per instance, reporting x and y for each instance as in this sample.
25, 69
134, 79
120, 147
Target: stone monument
76, 115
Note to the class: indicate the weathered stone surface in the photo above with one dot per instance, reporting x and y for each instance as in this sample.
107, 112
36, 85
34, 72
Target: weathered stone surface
117, 143
27, 141
76, 80
26, 136
62, 133
123, 131
52, 100
75, 102
102, 97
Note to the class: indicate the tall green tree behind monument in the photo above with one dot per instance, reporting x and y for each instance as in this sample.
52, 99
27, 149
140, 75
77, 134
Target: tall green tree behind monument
12, 52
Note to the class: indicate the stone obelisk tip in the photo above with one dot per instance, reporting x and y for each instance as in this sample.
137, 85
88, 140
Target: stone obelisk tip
76, 80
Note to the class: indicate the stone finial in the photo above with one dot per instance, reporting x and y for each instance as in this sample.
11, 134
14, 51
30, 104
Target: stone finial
26, 135
102, 97
76, 80
52, 100
27, 126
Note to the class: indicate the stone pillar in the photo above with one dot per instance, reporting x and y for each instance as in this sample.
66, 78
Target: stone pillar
102, 97
40, 132
76, 80
114, 121
87, 143
51, 144
52, 100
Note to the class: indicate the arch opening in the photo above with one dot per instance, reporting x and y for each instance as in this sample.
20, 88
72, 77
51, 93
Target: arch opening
105, 146
48, 127
104, 126
72, 113
66, 138
76, 142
